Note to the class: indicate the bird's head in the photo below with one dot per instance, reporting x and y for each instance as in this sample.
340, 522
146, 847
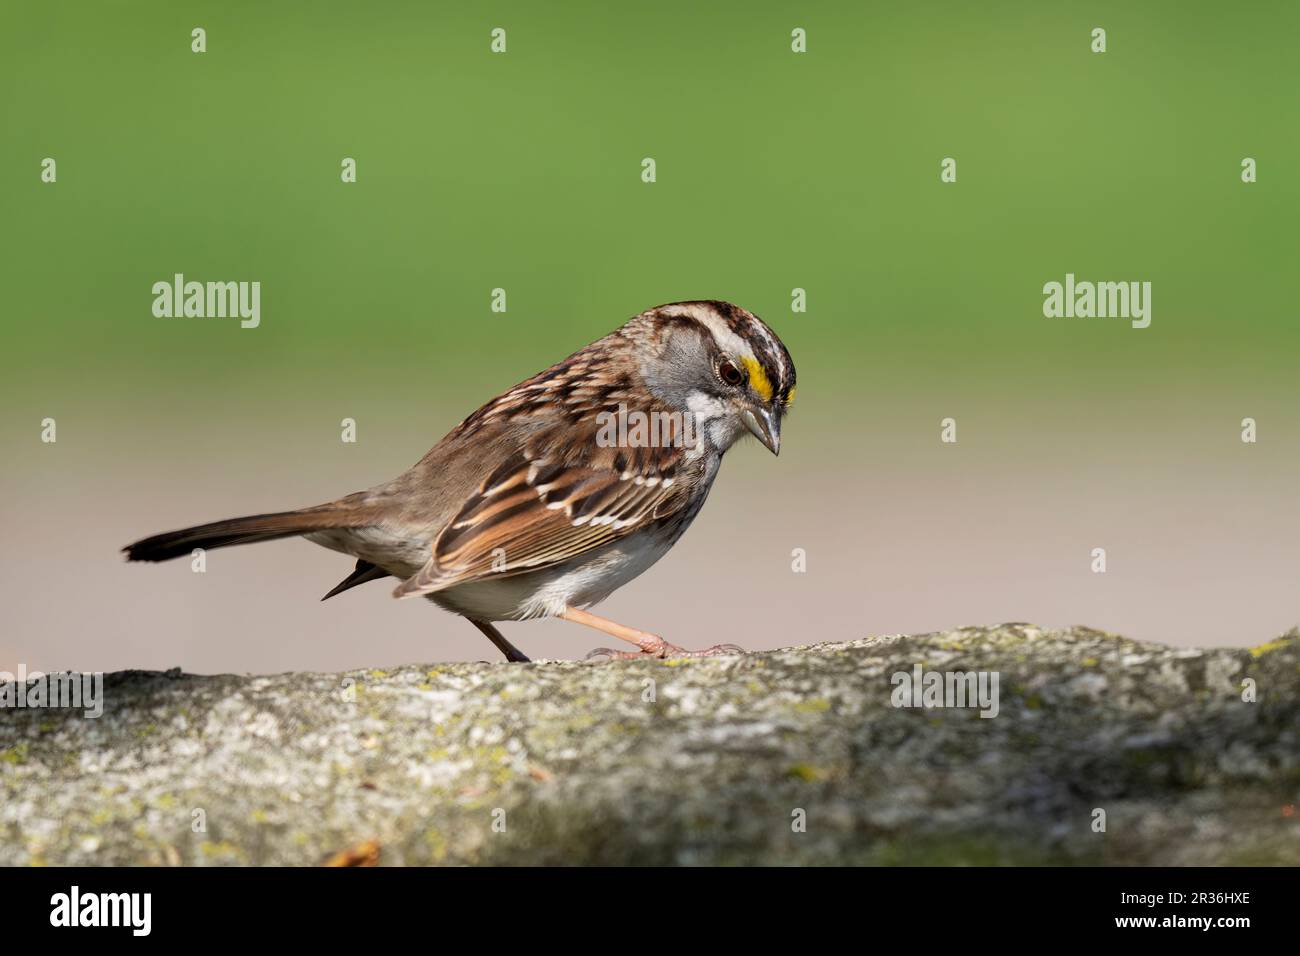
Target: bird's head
722, 364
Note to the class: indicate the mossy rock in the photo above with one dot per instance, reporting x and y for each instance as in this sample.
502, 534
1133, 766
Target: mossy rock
786, 757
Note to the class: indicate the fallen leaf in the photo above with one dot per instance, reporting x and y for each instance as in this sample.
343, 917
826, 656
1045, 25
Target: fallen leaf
363, 854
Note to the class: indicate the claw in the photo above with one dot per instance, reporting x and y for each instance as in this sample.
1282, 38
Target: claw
665, 651
719, 650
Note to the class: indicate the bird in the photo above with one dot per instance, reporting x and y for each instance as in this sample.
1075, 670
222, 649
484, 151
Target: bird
560, 490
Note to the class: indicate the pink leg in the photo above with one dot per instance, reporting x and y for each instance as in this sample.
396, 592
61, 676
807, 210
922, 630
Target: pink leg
650, 645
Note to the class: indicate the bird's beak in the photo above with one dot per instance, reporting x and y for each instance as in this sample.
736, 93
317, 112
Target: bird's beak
765, 426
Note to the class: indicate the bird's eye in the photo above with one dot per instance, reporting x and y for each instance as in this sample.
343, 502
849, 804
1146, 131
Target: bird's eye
728, 372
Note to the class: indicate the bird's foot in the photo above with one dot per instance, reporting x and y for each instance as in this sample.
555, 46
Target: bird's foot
657, 647
513, 654
511, 658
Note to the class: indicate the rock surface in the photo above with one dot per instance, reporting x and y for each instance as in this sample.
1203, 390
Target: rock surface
713, 760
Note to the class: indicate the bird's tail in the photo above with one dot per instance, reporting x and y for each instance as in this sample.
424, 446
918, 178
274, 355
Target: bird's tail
247, 530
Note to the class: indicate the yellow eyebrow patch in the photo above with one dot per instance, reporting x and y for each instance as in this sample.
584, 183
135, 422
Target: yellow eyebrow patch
789, 396
758, 380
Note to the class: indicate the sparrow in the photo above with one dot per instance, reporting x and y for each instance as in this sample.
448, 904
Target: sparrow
560, 490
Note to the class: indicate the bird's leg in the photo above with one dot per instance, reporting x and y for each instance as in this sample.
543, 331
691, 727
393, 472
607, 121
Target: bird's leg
651, 645
512, 653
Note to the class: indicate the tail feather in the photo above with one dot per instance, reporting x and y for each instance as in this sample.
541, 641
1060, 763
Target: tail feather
246, 530
364, 571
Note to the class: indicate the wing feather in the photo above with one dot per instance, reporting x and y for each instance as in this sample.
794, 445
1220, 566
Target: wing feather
545, 506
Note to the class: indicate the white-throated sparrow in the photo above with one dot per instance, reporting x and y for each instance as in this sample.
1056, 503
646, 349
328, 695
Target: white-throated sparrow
562, 489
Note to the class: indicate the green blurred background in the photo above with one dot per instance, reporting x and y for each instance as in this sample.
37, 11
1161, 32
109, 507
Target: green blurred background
775, 170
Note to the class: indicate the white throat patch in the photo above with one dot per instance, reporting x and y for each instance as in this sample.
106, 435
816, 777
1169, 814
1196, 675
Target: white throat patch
714, 419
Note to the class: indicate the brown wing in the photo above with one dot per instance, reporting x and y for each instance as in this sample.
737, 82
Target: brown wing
549, 503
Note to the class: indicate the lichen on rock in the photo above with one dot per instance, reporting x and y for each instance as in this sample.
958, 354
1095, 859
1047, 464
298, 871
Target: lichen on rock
784, 757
